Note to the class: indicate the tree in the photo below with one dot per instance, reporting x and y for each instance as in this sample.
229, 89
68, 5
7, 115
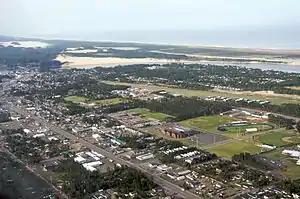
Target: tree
298, 126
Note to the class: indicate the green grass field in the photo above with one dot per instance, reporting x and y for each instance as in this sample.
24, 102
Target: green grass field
76, 99
232, 148
293, 172
199, 93
107, 102
209, 123
274, 154
146, 113
275, 138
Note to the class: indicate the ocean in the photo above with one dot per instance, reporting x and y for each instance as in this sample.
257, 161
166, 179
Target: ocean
285, 37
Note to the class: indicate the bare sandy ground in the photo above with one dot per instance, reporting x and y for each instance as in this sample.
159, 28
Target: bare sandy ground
118, 48
262, 93
245, 49
81, 50
91, 62
251, 58
26, 44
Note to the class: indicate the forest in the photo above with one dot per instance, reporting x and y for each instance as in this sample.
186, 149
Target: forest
79, 183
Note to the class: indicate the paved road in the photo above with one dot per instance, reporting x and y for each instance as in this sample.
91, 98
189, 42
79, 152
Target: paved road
158, 180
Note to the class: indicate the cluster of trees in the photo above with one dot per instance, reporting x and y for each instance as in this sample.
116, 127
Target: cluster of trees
252, 160
290, 186
184, 108
14, 56
4, 116
282, 121
31, 150
130, 54
25, 148
83, 85
75, 109
79, 183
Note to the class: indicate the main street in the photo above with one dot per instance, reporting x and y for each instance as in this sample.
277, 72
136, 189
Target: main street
157, 179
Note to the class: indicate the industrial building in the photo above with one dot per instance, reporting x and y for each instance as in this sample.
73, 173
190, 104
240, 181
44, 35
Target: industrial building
177, 132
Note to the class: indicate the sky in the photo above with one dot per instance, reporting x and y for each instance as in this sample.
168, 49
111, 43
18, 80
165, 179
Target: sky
97, 19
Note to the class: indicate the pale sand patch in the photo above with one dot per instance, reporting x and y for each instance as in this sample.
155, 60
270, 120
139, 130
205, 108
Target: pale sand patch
245, 49
82, 51
294, 87
118, 48
262, 93
91, 62
287, 139
252, 59
26, 44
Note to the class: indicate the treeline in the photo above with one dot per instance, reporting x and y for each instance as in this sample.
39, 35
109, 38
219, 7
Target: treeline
79, 183
110, 52
75, 109
281, 121
184, 108
253, 161
12, 56
4, 116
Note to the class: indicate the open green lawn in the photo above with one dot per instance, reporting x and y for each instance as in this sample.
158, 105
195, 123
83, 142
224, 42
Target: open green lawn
293, 172
146, 113
275, 154
209, 123
199, 93
275, 138
76, 99
236, 147
107, 102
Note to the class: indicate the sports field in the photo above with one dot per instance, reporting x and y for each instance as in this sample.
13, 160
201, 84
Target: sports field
209, 123
200, 93
146, 113
278, 139
241, 129
236, 147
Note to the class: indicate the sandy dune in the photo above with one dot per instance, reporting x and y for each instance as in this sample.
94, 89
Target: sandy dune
118, 48
262, 93
90, 62
81, 51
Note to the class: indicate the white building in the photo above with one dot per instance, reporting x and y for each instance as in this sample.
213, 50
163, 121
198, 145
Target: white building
291, 153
